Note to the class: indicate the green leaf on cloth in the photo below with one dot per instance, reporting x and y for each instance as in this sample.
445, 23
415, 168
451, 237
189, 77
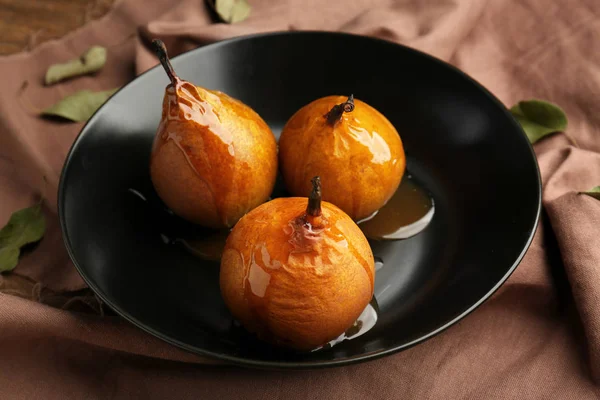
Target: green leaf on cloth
90, 61
539, 118
231, 11
79, 106
24, 227
593, 192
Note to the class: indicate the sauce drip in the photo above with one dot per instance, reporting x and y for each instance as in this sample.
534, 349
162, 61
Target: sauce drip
260, 272
192, 123
207, 247
363, 324
407, 213
296, 251
302, 240
376, 145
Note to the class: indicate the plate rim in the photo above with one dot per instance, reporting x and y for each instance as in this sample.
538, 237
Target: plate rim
287, 365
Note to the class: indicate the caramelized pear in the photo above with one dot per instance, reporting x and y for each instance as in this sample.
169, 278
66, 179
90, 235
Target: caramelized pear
351, 145
213, 158
297, 272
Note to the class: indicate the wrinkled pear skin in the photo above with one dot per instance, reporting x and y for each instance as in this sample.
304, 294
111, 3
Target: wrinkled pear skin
213, 157
360, 159
295, 288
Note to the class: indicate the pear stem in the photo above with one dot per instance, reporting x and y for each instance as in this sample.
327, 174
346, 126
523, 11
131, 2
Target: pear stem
314, 200
161, 52
335, 114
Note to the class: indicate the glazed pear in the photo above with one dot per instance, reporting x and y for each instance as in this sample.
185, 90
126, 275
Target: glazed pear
352, 146
297, 272
213, 158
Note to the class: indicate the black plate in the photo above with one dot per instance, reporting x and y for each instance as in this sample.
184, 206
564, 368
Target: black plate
461, 144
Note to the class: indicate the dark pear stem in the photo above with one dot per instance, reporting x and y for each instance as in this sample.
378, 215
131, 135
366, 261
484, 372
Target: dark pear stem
335, 114
161, 52
314, 200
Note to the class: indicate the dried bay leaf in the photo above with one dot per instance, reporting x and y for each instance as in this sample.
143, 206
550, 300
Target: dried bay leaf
593, 192
231, 11
79, 106
539, 118
9, 258
25, 226
239, 12
91, 61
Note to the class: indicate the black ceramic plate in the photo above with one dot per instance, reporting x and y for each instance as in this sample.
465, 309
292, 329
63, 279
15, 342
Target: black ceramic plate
461, 143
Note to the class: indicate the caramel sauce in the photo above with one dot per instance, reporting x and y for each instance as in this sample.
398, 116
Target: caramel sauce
304, 238
407, 213
205, 143
291, 244
336, 231
358, 157
310, 241
363, 324
377, 146
257, 280
260, 271
207, 247
204, 243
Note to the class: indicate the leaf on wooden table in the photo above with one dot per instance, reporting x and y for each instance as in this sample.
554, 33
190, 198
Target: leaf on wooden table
593, 192
539, 118
231, 11
79, 106
91, 61
24, 227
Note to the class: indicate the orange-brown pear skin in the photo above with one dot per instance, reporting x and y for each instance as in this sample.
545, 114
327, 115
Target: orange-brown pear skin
360, 158
213, 158
296, 280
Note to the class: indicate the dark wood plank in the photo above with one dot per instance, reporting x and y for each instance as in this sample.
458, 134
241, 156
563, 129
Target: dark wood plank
26, 23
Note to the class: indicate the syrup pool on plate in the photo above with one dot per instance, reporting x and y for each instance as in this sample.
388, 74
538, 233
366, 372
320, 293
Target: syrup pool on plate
363, 324
208, 247
200, 242
406, 214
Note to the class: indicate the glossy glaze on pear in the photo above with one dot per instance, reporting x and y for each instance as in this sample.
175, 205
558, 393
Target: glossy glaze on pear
352, 146
213, 158
297, 272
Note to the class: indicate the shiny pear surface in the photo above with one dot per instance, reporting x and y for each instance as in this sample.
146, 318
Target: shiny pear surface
357, 153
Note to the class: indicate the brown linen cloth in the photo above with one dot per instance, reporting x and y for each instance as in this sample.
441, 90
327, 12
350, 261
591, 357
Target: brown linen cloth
538, 337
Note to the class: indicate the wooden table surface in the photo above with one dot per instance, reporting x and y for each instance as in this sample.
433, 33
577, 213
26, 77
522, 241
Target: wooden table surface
26, 23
